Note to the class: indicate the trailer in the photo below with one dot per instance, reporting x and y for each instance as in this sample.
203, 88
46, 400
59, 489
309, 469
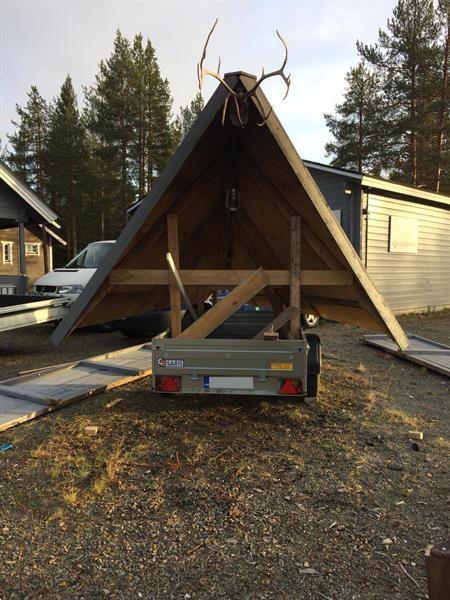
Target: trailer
24, 311
267, 367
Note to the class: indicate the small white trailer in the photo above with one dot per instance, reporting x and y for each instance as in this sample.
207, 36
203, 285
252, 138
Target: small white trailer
24, 311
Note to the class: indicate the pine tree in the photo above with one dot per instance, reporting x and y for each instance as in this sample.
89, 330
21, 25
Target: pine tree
157, 116
111, 107
27, 155
357, 126
67, 157
406, 59
187, 117
152, 105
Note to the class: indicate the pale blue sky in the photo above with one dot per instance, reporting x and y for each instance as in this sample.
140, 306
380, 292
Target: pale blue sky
42, 41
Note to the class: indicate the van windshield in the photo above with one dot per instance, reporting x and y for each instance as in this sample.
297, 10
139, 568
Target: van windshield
91, 257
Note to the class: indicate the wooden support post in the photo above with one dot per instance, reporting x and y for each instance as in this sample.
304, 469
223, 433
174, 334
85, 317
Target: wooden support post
295, 299
45, 248
287, 315
22, 262
175, 296
241, 294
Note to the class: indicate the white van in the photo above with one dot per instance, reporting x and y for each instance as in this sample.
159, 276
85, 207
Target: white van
70, 280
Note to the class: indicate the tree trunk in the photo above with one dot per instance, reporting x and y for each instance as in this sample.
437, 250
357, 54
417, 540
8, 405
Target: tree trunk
442, 111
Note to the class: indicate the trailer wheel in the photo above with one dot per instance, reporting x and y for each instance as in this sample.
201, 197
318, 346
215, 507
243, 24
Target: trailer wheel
312, 386
314, 362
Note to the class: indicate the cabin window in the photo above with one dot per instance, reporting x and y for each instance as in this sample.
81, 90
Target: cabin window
338, 215
32, 249
7, 253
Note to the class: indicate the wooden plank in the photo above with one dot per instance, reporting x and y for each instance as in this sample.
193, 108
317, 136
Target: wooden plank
278, 322
294, 293
227, 306
175, 295
229, 277
180, 286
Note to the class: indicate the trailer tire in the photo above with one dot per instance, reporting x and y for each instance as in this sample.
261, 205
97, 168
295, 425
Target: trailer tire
312, 386
314, 362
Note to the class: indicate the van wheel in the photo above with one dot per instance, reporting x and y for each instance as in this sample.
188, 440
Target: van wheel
309, 320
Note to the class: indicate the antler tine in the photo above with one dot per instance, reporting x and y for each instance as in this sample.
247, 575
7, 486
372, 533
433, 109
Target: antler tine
200, 64
287, 80
264, 121
202, 71
280, 72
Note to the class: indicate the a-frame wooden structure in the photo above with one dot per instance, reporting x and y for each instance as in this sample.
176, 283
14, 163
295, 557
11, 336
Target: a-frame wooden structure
233, 200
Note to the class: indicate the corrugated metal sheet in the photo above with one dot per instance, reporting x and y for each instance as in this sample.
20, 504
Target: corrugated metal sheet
410, 281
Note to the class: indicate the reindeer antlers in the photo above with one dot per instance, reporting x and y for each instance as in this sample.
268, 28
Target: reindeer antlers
201, 71
280, 72
241, 98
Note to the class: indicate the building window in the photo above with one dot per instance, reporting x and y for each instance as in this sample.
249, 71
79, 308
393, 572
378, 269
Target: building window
338, 215
7, 253
32, 249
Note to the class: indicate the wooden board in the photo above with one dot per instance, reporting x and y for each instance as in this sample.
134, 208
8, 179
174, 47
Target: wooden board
227, 306
175, 296
224, 277
424, 352
28, 396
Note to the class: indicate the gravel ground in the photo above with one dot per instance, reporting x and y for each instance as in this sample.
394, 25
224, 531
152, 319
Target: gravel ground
229, 497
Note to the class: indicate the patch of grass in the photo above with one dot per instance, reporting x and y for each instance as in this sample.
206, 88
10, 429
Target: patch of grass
442, 442
400, 416
297, 415
100, 485
71, 458
371, 398
70, 495
361, 368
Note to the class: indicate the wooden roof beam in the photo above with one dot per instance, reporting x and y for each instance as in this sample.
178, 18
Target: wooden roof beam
226, 277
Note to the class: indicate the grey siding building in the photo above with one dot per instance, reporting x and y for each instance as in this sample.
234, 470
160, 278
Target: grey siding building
401, 233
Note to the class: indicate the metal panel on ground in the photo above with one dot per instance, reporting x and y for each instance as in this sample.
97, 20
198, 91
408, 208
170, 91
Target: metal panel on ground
29, 396
424, 352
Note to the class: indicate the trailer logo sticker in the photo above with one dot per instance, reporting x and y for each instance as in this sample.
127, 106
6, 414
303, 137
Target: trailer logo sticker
282, 366
174, 363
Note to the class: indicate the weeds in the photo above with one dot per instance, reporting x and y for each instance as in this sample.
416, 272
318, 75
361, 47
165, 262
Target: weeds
79, 464
400, 416
70, 495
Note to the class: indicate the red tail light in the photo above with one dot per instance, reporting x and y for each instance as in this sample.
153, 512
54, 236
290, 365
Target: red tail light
168, 383
291, 386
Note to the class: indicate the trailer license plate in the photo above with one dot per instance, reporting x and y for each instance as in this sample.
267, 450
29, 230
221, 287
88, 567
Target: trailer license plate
227, 383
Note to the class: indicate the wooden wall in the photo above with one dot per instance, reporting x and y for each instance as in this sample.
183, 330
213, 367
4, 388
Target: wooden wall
34, 264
